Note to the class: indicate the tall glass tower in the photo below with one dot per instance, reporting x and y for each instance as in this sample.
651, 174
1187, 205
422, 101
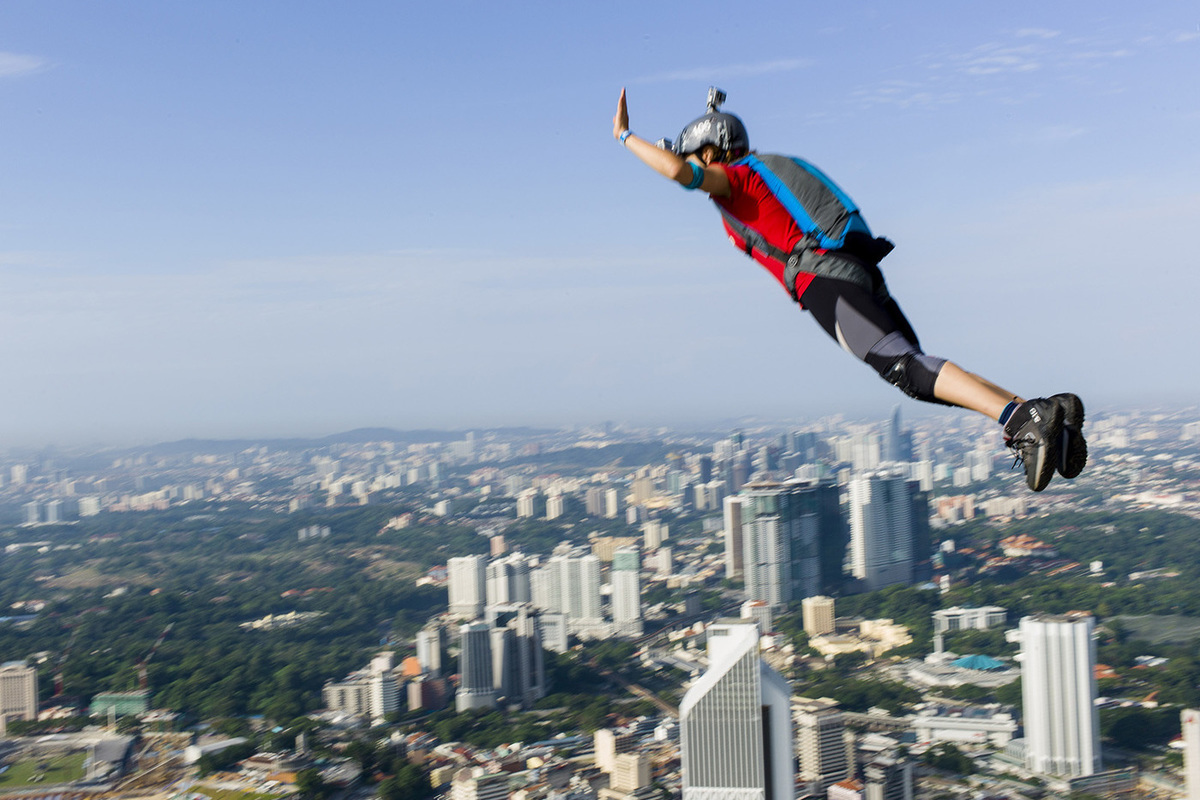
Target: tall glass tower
883, 529
792, 540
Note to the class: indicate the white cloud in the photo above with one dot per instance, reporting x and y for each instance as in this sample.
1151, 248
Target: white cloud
728, 71
15, 64
1036, 33
1189, 36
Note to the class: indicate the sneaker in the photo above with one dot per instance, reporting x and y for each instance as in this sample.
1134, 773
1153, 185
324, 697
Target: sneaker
1033, 432
1072, 455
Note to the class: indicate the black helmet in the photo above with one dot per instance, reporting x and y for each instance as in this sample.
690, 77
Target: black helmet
716, 128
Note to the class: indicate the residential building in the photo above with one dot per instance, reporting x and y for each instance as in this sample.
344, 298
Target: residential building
627, 592
733, 537
467, 586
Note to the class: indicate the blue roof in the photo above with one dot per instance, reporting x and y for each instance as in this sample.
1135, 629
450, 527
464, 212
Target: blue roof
981, 663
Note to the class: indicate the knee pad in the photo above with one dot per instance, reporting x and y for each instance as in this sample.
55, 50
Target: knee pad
914, 374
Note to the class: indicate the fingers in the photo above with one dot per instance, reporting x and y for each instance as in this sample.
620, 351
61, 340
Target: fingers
621, 118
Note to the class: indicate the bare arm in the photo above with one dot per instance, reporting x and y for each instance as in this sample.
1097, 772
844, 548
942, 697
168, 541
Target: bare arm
666, 163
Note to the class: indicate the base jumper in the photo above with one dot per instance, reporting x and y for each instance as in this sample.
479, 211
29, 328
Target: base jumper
788, 216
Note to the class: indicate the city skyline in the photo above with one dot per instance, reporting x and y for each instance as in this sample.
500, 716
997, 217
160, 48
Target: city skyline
293, 220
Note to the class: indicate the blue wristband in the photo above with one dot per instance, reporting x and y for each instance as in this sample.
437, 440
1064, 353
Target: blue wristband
625, 136
697, 176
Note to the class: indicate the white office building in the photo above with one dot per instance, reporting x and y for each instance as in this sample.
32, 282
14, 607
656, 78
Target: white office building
736, 741
1062, 726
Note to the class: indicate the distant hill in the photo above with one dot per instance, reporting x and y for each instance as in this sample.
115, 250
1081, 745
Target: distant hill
356, 436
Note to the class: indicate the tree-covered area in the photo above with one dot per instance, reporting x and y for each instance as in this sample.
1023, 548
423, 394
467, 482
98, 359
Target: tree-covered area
114, 583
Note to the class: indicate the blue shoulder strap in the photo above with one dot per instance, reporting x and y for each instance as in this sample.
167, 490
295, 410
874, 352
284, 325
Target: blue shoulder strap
789, 201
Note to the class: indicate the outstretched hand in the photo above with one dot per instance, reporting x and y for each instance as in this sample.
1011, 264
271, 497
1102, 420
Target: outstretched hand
621, 118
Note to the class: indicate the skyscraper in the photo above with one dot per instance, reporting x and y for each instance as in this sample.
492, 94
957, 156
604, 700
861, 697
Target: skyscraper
882, 529
627, 592
467, 580
733, 537
789, 530
476, 687
898, 442
1058, 686
736, 723
429, 649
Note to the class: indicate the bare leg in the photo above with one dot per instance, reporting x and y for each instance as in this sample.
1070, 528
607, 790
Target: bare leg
967, 390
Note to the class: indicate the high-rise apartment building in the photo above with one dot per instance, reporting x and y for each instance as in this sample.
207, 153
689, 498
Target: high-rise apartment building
789, 533
18, 693
429, 650
507, 580
758, 612
556, 506
883, 533
1058, 686
467, 579
733, 537
612, 503
823, 754
654, 533
736, 723
593, 501
569, 584
627, 592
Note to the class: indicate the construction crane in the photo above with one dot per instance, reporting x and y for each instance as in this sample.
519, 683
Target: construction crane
143, 676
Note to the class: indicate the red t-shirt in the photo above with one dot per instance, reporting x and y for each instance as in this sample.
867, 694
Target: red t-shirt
752, 204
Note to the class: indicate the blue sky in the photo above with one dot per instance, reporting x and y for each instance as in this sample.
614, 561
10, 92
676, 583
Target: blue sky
293, 218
